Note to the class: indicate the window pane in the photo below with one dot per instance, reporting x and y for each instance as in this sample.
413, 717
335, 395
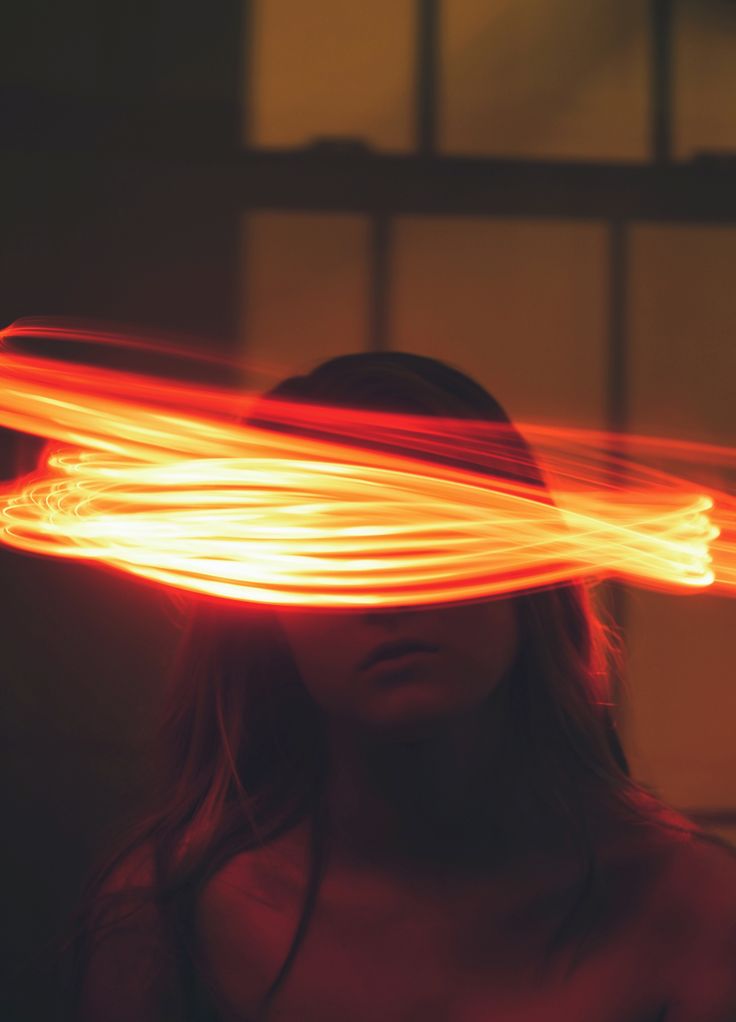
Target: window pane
545, 78
519, 304
305, 289
682, 322
705, 77
327, 67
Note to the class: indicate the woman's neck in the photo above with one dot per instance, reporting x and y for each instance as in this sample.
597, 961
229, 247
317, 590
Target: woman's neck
422, 801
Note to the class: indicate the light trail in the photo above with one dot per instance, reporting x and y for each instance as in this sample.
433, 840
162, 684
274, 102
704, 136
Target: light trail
166, 481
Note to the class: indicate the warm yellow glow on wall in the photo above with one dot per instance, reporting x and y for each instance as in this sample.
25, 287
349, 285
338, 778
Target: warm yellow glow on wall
704, 77
682, 324
545, 78
326, 67
519, 304
304, 294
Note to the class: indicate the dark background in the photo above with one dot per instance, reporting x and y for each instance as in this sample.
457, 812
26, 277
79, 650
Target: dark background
118, 124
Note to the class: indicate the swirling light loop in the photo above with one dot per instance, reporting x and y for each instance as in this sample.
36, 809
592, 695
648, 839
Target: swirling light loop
167, 481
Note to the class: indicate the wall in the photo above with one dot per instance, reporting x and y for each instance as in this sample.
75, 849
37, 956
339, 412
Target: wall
525, 304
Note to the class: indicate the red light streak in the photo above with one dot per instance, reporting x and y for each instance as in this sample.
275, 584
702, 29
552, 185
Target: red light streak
163, 479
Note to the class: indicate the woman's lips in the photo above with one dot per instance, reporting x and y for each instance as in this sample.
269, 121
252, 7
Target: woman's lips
397, 653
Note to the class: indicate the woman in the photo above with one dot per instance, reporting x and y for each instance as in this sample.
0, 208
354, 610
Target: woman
417, 813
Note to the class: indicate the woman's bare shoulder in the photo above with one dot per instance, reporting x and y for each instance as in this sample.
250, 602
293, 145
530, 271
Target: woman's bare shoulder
701, 876
255, 892
682, 881
694, 923
246, 915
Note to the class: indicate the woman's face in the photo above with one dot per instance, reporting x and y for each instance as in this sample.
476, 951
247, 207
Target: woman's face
473, 647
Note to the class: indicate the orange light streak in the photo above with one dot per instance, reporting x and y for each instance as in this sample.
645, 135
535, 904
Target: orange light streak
166, 481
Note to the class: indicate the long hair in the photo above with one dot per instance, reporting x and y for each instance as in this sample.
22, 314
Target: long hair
242, 749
